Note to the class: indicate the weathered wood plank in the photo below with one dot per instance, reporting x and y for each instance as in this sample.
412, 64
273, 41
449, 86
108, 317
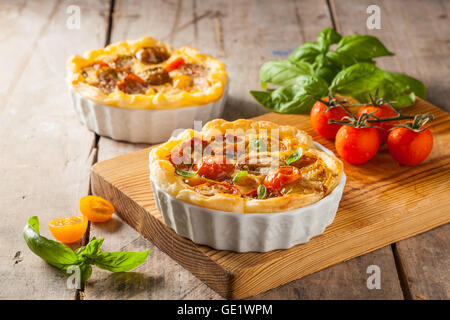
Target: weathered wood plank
244, 34
419, 33
46, 152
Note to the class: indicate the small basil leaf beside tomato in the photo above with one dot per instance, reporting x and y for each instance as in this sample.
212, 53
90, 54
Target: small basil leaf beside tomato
294, 156
261, 191
240, 174
186, 174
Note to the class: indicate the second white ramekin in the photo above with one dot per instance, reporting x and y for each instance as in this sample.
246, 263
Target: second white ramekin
246, 232
142, 125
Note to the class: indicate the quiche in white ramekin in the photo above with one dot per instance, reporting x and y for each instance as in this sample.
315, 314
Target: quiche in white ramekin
246, 185
140, 91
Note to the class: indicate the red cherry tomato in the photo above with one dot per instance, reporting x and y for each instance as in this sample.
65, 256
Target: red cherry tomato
383, 111
282, 176
357, 145
409, 148
319, 119
214, 167
175, 64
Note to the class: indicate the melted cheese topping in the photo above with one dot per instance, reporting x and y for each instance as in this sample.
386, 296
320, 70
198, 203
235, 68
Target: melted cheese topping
185, 87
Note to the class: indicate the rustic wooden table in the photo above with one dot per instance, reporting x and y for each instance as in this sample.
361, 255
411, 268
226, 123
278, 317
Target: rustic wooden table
46, 154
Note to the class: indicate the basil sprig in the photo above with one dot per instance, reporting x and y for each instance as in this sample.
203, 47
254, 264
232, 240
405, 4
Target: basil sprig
62, 257
240, 174
294, 156
186, 174
261, 191
313, 70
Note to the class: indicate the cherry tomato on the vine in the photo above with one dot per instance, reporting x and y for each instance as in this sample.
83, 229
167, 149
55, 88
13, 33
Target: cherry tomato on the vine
408, 147
383, 111
319, 119
357, 145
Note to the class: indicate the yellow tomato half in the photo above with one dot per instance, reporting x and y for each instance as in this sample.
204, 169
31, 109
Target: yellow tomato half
68, 229
96, 209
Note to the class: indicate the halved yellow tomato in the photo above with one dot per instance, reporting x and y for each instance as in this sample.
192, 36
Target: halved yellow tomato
68, 229
96, 209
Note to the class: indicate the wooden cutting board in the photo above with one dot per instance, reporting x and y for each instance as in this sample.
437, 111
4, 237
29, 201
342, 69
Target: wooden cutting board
382, 203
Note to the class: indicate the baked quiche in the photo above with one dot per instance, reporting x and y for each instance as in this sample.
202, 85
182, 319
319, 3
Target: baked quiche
147, 74
244, 166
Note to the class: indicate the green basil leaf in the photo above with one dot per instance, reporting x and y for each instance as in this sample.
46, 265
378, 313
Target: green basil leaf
294, 156
283, 72
120, 261
261, 191
327, 37
54, 253
362, 47
357, 80
392, 91
408, 84
325, 68
85, 271
91, 249
295, 98
186, 174
307, 52
258, 145
239, 175
340, 59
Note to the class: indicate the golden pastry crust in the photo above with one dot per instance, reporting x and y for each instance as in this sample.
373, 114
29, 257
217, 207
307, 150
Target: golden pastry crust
164, 96
320, 172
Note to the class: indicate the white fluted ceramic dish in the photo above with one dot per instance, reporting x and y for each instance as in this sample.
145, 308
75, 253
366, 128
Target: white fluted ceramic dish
142, 125
245, 232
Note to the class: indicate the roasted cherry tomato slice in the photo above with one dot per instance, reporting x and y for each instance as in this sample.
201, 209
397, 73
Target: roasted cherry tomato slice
175, 64
408, 147
96, 209
282, 176
214, 167
357, 145
319, 119
99, 64
69, 229
383, 111
182, 154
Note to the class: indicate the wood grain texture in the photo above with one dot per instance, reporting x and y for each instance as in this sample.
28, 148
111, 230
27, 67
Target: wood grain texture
228, 29
358, 228
419, 33
46, 154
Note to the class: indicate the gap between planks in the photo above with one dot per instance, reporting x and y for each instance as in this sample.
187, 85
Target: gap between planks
79, 294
